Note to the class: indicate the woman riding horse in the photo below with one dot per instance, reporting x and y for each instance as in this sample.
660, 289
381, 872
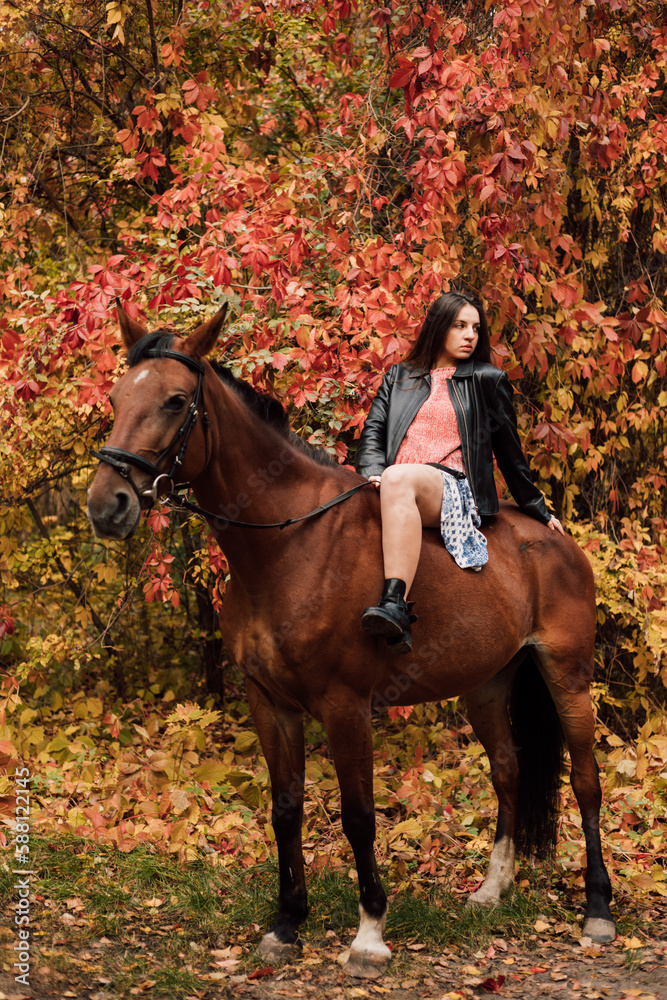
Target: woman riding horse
516, 640
428, 445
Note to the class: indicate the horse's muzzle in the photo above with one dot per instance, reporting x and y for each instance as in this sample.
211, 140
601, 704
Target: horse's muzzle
114, 517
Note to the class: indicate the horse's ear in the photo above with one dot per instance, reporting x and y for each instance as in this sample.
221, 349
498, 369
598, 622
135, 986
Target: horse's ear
130, 330
202, 340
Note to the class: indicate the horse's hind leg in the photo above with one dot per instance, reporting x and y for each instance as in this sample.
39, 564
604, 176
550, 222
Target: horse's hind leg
569, 687
488, 714
281, 735
348, 726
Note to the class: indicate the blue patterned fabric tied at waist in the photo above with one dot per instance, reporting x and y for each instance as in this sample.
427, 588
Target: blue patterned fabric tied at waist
459, 522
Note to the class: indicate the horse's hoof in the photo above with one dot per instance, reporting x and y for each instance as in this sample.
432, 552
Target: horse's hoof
366, 964
482, 900
273, 950
599, 930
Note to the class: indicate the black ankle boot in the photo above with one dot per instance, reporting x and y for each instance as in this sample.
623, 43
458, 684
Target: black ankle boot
391, 618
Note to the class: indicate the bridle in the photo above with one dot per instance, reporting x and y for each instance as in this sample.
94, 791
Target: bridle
121, 460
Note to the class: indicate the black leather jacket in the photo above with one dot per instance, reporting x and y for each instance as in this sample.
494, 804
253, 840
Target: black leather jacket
482, 398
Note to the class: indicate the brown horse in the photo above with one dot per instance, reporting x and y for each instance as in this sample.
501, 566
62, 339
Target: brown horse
516, 639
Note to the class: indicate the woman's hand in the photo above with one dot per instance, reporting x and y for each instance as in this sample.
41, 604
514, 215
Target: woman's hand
375, 480
555, 525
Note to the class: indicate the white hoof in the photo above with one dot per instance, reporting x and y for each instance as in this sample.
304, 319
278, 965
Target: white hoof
499, 876
273, 950
599, 930
369, 955
367, 965
483, 899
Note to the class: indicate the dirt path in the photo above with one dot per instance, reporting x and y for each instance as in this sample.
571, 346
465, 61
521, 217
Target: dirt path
566, 969
554, 964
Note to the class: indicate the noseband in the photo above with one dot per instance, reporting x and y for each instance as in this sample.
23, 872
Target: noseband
121, 460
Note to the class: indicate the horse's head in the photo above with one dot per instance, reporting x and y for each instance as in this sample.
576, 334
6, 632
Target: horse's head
159, 435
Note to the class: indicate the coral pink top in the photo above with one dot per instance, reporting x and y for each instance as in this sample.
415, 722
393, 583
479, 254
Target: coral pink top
433, 436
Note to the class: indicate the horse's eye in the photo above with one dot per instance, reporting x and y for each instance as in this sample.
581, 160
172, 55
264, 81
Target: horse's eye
175, 403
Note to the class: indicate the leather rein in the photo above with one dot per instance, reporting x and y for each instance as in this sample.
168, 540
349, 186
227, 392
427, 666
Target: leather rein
122, 460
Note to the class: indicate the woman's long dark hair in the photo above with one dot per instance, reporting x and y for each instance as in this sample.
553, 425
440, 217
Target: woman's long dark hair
440, 318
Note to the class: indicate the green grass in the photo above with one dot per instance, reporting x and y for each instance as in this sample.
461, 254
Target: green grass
214, 907
215, 901
175, 983
7, 879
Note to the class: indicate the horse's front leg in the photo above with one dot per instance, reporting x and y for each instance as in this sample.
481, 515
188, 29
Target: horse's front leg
348, 723
281, 735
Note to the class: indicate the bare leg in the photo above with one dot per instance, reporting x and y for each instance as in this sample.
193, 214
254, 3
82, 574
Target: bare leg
411, 498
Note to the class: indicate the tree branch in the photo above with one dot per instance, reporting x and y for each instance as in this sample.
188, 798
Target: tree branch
61, 209
17, 113
151, 30
69, 580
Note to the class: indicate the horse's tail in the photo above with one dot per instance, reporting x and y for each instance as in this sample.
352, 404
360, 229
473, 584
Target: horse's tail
540, 744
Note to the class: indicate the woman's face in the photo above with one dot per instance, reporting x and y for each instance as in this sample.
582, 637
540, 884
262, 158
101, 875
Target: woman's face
461, 339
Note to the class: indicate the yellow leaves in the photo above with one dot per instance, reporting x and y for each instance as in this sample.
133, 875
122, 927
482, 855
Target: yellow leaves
116, 15
189, 712
27, 715
614, 741
245, 741
552, 128
627, 768
646, 882
305, 337
159, 760
597, 258
80, 710
58, 746
213, 772
179, 832
167, 102
180, 800
409, 829
107, 572
656, 746
129, 763
429, 776
87, 708
659, 875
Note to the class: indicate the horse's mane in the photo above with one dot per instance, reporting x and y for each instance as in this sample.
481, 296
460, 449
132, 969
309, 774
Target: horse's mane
268, 409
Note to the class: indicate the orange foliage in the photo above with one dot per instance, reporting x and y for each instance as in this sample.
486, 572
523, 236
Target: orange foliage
328, 168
